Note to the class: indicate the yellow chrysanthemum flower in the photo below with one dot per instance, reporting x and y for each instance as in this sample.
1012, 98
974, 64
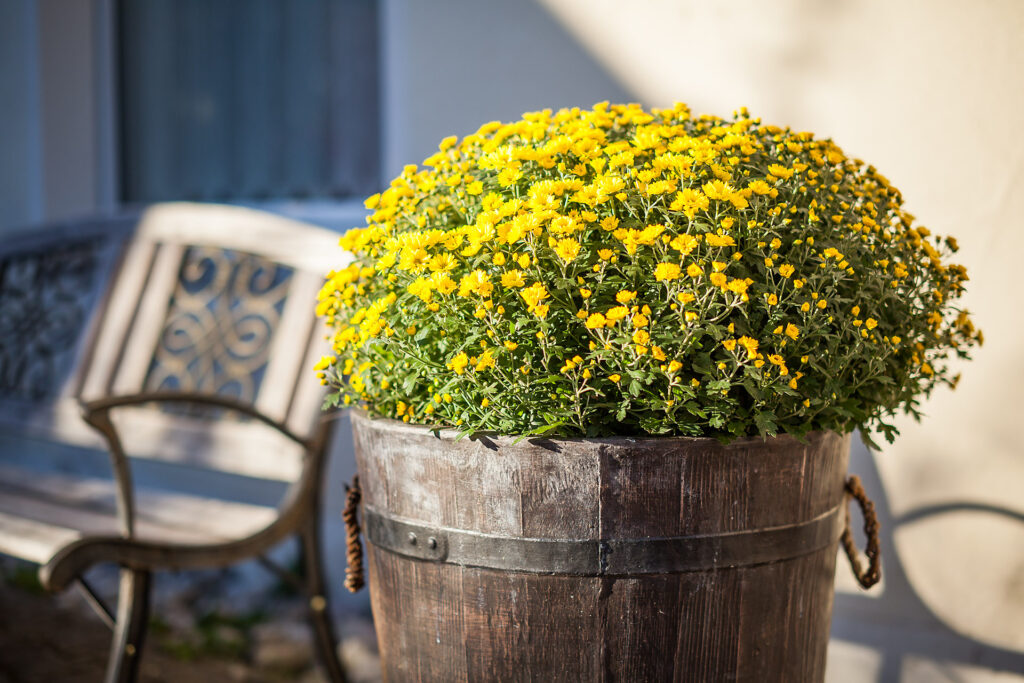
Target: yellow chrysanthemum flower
666, 271
567, 249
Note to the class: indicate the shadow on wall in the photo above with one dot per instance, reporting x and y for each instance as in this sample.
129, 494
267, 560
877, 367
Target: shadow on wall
893, 620
707, 54
455, 65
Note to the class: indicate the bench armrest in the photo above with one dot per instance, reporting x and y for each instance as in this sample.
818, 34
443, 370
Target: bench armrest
97, 414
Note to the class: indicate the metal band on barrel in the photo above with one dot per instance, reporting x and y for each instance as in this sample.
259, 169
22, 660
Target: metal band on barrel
602, 557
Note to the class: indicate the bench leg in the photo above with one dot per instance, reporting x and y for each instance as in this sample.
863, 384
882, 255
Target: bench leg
130, 627
319, 609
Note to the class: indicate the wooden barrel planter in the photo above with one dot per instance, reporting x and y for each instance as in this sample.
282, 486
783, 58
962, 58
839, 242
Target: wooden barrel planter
648, 559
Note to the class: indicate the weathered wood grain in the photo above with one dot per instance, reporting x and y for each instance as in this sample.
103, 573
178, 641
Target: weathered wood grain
444, 621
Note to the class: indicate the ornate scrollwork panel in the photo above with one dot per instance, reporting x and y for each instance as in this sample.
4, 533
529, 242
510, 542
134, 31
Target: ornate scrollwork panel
221, 320
45, 298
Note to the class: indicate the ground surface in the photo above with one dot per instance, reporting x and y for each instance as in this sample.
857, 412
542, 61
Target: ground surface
46, 638
45, 642
53, 639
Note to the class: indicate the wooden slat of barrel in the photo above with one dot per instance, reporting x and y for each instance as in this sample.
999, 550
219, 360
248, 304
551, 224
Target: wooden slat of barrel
474, 624
722, 625
441, 621
705, 625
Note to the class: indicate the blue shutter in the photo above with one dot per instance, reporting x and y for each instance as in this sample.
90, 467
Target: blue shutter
248, 99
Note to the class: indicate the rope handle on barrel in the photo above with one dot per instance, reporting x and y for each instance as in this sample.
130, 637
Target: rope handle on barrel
354, 571
873, 574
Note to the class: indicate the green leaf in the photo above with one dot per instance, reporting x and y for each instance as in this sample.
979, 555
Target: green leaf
547, 428
702, 363
751, 388
765, 423
635, 388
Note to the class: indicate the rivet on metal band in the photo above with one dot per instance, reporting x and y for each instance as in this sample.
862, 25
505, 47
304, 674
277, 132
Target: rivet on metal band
603, 557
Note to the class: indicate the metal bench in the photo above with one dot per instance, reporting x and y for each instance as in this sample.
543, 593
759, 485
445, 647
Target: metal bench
189, 339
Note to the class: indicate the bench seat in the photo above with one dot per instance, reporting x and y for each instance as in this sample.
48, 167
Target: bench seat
42, 512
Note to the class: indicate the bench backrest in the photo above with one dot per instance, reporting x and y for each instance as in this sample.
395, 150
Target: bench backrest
52, 283
206, 299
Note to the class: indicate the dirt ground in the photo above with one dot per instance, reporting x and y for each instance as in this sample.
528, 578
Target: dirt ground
42, 639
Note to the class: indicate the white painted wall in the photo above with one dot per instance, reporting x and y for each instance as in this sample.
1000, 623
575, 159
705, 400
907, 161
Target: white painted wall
20, 152
51, 167
68, 107
451, 65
